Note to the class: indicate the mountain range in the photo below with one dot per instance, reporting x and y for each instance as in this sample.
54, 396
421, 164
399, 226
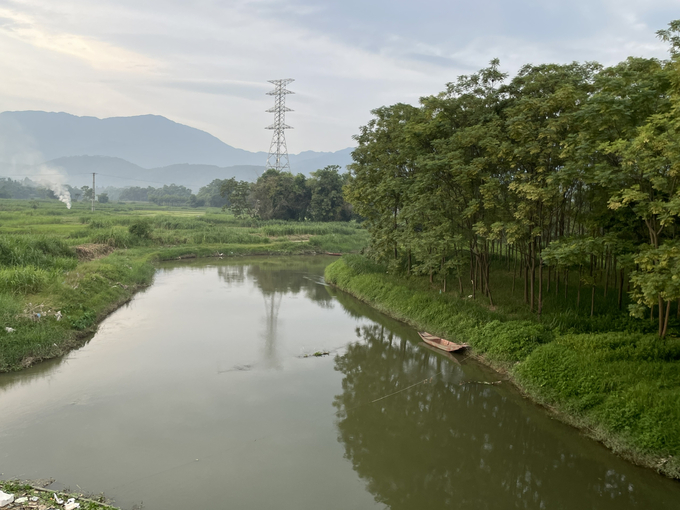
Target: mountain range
145, 150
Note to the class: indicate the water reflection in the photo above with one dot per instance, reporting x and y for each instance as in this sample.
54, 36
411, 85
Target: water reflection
276, 278
143, 401
290, 277
456, 443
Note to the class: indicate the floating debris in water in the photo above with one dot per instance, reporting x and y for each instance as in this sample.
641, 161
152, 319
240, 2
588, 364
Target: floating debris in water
317, 354
237, 368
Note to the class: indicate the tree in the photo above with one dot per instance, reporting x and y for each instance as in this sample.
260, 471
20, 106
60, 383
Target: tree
539, 121
657, 281
238, 197
383, 170
211, 194
103, 198
326, 200
87, 192
280, 195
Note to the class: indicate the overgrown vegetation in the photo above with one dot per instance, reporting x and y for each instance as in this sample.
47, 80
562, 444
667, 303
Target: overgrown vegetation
561, 170
58, 277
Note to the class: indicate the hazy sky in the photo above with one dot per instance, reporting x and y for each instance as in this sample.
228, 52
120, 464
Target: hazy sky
206, 63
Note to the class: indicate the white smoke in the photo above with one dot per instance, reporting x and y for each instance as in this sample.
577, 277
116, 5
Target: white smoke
19, 157
53, 178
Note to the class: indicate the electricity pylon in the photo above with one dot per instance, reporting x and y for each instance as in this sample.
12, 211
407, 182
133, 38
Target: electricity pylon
278, 152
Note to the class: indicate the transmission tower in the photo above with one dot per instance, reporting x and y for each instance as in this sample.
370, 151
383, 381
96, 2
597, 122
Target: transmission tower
278, 152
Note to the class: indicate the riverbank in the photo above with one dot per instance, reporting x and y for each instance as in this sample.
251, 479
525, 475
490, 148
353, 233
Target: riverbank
619, 387
63, 271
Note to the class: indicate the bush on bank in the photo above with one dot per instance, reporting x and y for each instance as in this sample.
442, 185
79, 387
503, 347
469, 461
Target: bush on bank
622, 387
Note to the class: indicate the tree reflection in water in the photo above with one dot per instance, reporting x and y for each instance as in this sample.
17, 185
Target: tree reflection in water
450, 445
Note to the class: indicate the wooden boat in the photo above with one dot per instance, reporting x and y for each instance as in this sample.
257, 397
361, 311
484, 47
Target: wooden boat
334, 254
440, 343
439, 352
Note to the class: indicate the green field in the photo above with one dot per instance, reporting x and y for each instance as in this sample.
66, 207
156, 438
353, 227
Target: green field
609, 374
62, 271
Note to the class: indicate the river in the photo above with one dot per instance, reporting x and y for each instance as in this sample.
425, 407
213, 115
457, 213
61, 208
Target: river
204, 392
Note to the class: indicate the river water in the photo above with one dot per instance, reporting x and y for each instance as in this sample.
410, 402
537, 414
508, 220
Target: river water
204, 392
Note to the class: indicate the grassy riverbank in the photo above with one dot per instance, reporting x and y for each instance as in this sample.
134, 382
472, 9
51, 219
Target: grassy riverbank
607, 375
62, 271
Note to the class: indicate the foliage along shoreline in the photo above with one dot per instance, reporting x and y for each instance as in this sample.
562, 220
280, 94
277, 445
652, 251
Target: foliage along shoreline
620, 388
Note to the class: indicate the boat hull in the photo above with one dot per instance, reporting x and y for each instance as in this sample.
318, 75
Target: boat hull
441, 343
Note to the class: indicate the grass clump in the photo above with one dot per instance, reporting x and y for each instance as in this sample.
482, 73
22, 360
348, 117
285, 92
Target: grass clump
24, 280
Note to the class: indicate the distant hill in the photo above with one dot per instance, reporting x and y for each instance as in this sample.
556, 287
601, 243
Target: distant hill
146, 147
117, 172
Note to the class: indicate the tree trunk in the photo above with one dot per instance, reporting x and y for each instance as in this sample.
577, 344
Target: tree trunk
566, 282
665, 322
660, 316
621, 288
474, 283
444, 272
606, 277
578, 292
526, 283
540, 286
514, 273
533, 274
592, 301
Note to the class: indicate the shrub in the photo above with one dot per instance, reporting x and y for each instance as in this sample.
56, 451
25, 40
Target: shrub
510, 341
141, 229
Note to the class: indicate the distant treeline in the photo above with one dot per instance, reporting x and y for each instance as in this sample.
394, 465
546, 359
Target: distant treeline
563, 168
284, 196
25, 189
275, 195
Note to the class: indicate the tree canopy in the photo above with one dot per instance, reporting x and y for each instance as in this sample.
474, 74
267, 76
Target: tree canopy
562, 167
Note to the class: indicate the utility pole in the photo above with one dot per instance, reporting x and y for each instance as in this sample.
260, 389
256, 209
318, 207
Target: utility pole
92, 191
278, 152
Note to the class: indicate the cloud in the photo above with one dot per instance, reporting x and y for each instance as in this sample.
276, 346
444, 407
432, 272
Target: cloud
206, 63
99, 55
244, 90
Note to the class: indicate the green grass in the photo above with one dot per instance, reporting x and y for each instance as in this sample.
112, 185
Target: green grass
608, 374
41, 274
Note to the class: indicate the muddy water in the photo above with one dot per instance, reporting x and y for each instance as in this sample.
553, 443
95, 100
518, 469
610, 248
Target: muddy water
198, 394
